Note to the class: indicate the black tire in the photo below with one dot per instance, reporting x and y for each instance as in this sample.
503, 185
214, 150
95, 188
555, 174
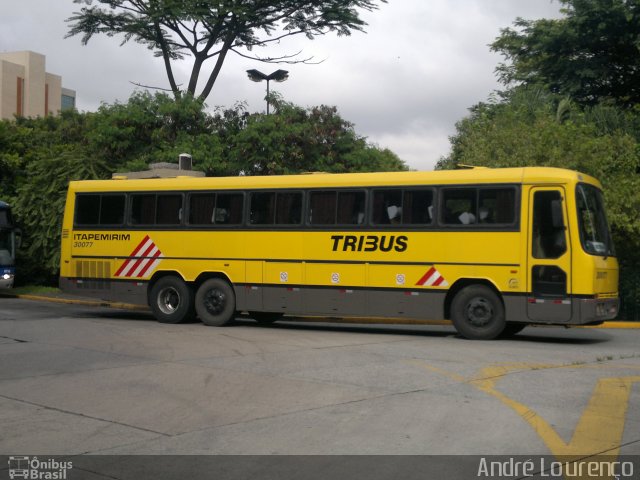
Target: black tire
171, 300
215, 302
478, 313
266, 318
511, 329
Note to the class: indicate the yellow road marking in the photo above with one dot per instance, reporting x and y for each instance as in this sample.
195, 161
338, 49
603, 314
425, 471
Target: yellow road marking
600, 428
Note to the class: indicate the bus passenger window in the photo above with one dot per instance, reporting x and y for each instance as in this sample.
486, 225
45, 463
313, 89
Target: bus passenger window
387, 207
169, 210
201, 206
497, 205
322, 207
289, 208
262, 208
87, 210
406, 207
229, 209
215, 209
350, 208
459, 206
143, 209
112, 210
417, 207
101, 209
332, 207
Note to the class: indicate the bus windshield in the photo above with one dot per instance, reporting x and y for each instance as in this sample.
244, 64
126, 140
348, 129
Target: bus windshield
594, 228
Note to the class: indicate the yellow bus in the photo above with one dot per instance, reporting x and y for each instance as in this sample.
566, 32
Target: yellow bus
491, 249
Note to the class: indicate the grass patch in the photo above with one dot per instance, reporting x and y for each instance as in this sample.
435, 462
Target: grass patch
33, 290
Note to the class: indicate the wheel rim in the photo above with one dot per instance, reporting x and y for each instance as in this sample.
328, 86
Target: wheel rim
169, 300
479, 312
215, 301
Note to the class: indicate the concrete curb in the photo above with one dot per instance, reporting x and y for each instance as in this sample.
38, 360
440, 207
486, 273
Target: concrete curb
397, 321
75, 301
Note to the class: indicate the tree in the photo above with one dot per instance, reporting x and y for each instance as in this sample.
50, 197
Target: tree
591, 55
208, 30
295, 139
151, 128
39, 205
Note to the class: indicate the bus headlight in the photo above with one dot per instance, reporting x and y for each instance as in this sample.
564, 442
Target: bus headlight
606, 309
7, 276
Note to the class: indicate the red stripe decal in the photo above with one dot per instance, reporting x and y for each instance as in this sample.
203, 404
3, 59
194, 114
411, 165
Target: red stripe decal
132, 254
426, 276
148, 265
140, 259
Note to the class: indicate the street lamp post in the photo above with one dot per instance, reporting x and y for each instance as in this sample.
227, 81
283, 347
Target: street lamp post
258, 76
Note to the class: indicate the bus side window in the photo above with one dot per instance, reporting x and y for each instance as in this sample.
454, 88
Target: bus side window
459, 206
289, 208
201, 208
497, 205
143, 209
350, 208
169, 209
87, 209
406, 207
100, 209
112, 210
215, 209
262, 208
387, 207
231, 206
417, 207
322, 207
332, 207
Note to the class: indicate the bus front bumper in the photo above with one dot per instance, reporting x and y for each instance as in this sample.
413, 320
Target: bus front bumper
597, 310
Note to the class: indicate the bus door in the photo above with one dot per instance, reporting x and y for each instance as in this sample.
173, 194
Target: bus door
549, 257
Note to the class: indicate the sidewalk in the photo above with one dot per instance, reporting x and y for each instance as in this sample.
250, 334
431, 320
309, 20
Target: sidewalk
60, 297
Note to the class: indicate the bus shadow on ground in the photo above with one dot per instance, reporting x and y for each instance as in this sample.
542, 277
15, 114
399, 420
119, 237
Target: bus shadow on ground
532, 334
111, 314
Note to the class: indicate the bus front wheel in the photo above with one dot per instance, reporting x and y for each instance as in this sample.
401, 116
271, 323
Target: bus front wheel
477, 313
215, 302
171, 300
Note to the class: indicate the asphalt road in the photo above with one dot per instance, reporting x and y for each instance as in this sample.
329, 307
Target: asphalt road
77, 379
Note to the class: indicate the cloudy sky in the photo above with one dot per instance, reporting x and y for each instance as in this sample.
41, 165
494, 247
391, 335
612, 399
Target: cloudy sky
404, 83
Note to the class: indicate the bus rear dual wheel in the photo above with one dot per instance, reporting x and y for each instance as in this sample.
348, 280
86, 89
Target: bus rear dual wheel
215, 302
478, 314
172, 301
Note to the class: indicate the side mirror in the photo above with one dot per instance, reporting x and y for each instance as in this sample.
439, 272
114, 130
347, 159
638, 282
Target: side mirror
18, 234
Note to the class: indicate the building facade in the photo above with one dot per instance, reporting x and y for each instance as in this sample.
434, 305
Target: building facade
28, 90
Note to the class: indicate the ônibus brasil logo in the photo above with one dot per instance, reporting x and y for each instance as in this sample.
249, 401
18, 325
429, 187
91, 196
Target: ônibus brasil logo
142, 261
33, 468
